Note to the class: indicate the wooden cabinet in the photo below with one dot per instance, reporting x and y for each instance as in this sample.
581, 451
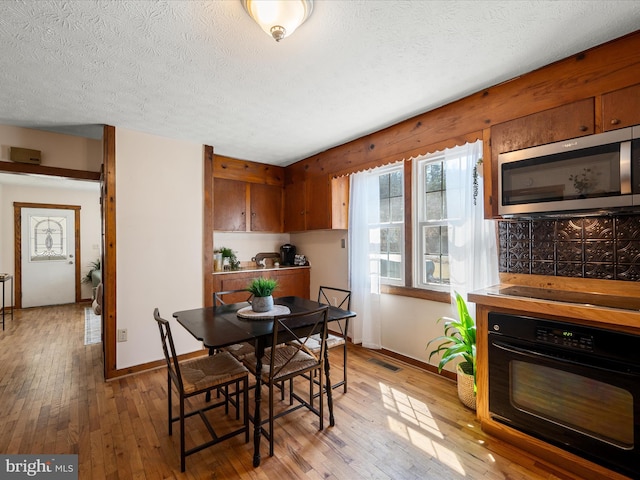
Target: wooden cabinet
561, 123
229, 205
266, 208
232, 199
317, 203
291, 281
621, 108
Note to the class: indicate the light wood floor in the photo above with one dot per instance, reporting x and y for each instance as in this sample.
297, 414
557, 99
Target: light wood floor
404, 424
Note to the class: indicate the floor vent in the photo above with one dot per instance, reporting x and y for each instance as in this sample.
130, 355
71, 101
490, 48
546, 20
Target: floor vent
386, 365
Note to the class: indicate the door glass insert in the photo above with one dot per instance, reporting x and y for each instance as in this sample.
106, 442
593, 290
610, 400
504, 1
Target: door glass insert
48, 238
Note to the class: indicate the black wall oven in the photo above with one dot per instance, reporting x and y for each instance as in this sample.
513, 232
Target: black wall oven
573, 386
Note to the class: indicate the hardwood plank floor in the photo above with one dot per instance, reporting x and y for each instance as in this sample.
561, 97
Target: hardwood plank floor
405, 424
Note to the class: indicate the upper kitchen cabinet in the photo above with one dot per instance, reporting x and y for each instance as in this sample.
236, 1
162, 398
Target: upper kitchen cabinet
229, 205
247, 196
621, 108
316, 203
266, 208
561, 123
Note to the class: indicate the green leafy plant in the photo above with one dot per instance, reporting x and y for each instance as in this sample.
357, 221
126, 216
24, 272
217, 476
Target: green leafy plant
93, 266
262, 287
458, 341
234, 263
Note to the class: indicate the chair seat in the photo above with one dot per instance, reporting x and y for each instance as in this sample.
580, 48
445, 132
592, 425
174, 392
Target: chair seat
300, 361
205, 372
240, 350
313, 342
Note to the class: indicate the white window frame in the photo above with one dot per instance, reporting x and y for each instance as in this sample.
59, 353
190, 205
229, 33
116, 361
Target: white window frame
375, 228
420, 222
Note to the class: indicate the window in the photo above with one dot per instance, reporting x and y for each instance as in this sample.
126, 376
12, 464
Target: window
48, 239
386, 224
431, 232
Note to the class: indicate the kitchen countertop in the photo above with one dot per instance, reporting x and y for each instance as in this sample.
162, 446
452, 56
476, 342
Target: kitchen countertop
600, 309
260, 269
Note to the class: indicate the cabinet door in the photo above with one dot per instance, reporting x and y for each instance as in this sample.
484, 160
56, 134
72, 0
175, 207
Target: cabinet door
621, 108
340, 203
318, 203
292, 282
266, 208
294, 207
229, 205
561, 123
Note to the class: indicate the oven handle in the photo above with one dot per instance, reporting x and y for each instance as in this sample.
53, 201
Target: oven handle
531, 354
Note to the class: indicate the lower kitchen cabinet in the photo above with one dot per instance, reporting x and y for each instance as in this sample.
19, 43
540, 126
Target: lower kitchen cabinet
291, 281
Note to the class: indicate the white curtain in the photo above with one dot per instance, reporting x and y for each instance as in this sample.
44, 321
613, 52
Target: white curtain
473, 253
364, 206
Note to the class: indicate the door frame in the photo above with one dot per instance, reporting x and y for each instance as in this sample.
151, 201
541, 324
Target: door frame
17, 255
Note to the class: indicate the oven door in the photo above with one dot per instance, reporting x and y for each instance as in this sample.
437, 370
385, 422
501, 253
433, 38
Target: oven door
585, 405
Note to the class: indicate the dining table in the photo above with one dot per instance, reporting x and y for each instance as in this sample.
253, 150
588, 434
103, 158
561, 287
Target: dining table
221, 326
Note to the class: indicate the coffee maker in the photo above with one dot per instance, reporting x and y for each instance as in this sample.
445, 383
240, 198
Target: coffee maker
287, 254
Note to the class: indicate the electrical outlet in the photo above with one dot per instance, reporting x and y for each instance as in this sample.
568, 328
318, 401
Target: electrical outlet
122, 334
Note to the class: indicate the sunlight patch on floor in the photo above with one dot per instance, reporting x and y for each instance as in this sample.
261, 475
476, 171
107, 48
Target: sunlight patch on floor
412, 420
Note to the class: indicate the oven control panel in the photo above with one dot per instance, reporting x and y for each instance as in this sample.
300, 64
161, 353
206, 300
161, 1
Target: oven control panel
565, 338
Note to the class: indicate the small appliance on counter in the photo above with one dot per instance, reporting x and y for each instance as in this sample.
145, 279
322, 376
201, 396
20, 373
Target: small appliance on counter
287, 255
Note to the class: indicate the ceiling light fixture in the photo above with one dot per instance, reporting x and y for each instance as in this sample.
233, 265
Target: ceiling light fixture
279, 18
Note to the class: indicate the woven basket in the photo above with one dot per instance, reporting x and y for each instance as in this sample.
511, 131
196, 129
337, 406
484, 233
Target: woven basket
465, 388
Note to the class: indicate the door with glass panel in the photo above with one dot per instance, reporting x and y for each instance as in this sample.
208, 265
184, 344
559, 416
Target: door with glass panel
48, 253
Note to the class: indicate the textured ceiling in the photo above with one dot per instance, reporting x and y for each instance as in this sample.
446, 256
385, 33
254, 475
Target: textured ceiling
203, 71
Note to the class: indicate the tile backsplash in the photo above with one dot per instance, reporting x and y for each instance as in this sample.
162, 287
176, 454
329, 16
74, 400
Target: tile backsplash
606, 247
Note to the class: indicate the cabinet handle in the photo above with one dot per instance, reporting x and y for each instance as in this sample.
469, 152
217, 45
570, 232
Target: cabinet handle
583, 128
253, 214
615, 121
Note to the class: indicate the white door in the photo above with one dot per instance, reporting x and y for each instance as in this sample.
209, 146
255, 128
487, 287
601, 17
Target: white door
48, 263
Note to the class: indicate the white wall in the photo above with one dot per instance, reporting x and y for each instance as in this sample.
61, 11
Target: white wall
62, 151
58, 150
247, 244
407, 323
159, 228
88, 198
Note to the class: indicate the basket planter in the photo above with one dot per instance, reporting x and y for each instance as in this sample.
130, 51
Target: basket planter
262, 304
465, 386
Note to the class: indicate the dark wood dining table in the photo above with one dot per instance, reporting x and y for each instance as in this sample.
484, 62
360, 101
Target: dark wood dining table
218, 327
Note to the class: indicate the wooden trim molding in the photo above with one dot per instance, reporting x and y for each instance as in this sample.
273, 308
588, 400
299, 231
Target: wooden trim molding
423, 293
52, 171
207, 241
420, 364
108, 201
17, 258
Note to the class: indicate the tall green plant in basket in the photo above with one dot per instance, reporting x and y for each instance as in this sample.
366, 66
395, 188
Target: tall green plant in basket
458, 342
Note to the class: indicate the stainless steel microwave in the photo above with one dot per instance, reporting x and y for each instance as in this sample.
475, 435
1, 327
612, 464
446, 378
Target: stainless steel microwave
595, 173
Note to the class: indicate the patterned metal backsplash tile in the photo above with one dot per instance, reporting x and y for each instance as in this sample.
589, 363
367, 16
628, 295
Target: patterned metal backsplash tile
593, 247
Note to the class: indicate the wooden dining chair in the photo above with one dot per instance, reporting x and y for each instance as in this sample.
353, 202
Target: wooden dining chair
202, 375
291, 359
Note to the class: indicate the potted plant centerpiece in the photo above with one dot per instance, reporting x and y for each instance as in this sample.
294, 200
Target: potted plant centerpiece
459, 342
262, 289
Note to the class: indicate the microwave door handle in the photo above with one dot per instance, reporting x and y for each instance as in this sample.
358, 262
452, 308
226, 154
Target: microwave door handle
625, 168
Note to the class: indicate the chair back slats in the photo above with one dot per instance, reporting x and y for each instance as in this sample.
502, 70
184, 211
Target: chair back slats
296, 330
231, 296
338, 297
169, 349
